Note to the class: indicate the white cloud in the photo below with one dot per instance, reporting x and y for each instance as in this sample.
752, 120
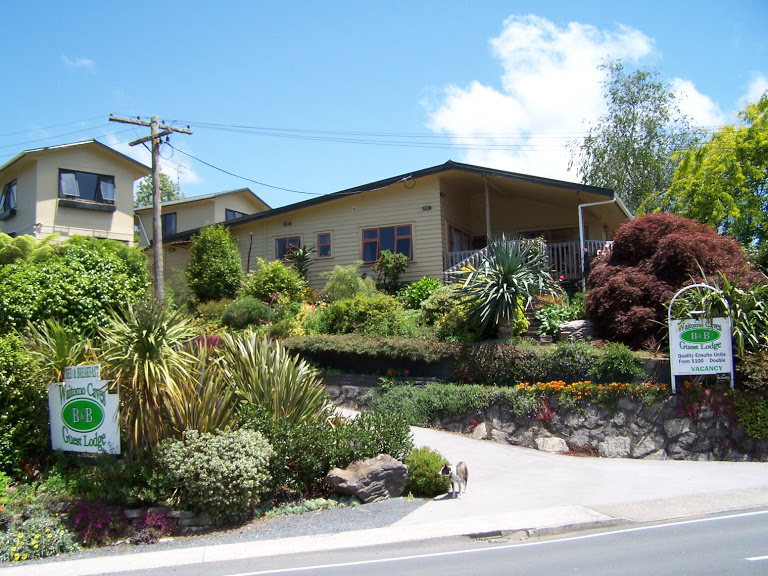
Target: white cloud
756, 89
699, 108
79, 63
551, 85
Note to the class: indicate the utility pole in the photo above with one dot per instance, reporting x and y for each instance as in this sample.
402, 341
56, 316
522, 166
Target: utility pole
157, 227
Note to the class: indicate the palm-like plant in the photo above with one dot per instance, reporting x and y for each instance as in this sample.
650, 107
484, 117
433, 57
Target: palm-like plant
55, 346
264, 374
512, 270
143, 351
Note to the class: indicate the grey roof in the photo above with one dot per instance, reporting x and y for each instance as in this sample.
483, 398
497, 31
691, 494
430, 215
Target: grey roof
21, 155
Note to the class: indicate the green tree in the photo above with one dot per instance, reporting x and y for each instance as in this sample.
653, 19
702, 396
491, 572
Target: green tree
631, 147
169, 190
215, 270
724, 181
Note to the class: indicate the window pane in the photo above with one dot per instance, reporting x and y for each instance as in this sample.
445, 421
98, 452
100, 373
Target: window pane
387, 239
12, 195
68, 184
403, 230
324, 251
323, 239
168, 223
370, 254
107, 190
87, 185
280, 245
404, 246
370, 234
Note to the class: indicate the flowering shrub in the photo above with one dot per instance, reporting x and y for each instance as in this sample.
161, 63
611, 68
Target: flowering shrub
38, 537
224, 473
95, 521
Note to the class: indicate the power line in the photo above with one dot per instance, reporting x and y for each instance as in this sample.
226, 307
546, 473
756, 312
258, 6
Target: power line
51, 127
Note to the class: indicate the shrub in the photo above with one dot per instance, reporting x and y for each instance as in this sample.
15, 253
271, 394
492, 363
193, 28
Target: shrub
388, 267
374, 433
653, 256
224, 473
414, 294
570, 361
245, 311
552, 316
752, 412
378, 315
616, 363
346, 282
24, 438
301, 259
271, 279
752, 371
498, 364
424, 465
214, 269
34, 538
428, 404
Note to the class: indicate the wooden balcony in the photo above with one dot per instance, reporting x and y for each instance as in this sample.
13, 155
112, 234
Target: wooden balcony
563, 258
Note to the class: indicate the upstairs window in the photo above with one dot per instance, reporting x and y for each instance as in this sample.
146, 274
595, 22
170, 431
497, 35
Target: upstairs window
8, 200
84, 186
396, 239
168, 222
283, 246
324, 245
232, 214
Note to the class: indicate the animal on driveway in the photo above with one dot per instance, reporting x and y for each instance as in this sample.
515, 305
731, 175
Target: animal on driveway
458, 475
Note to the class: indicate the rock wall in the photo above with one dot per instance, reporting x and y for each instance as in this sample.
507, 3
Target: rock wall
630, 430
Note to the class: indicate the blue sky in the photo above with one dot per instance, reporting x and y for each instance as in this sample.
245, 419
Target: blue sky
318, 97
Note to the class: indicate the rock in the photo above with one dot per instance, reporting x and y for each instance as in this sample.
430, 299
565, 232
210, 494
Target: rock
615, 447
577, 330
552, 444
370, 480
646, 447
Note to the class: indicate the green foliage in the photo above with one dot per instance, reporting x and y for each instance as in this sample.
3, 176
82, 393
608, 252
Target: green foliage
723, 181
752, 412
512, 270
499, 364
35, 538
24, 437
54, 347
570, 361
271, 279
245, 311
209, 315
631, 148
302, 506
169, 190
426, 405
346, 282
224, 474
374, 433
752, 371
616, 363
214, 269
264, 375
78, 285
424, 465
378, 315
414, 294
552, 316
301, 259
25, 248
142, 350
388, 268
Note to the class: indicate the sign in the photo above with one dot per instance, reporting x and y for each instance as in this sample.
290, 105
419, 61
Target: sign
699, 347
83, 413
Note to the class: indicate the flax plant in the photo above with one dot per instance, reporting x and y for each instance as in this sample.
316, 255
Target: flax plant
55, 346
263, 374
143, 349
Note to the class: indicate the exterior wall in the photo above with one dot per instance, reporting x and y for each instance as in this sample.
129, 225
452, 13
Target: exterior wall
244, 202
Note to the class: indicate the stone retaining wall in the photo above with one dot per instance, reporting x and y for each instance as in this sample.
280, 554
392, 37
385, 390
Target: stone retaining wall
631, 430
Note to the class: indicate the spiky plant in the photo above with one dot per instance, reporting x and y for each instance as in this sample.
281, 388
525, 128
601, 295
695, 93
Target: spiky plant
143, 350
512, 270
55, 346
263, 374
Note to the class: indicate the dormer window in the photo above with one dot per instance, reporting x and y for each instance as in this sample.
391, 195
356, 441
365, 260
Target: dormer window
86, 187
8, 201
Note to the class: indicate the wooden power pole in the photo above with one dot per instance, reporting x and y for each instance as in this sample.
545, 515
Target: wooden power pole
157, 227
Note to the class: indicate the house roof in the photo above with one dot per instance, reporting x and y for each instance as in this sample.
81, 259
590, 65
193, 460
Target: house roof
449, 166
205, 197
33, 151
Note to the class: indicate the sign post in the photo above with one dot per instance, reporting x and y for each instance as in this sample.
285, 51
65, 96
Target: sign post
699, 346
83, 413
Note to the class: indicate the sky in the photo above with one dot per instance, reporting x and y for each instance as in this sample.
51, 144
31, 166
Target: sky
294, 99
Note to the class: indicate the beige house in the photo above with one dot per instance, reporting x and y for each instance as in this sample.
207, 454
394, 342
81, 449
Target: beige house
438, 217
84, 188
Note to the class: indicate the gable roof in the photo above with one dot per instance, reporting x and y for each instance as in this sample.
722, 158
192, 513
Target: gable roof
202, 197
104, 147
450, 165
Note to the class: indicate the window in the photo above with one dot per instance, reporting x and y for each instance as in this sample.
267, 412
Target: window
458, 240
168, 223
284, 245
324, 245
396, 239
8, 201
232, 214
84, 186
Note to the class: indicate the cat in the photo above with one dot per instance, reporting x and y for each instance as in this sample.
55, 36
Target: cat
458, 476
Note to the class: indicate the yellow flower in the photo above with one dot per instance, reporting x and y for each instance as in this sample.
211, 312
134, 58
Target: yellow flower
36, 546
13, 549
16, 557
49, 535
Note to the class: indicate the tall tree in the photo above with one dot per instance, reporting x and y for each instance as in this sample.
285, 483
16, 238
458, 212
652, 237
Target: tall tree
169, 190
724, 181
631, 147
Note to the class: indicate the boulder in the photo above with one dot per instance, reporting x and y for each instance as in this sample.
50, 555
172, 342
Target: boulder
552, 444
577, 330
370, 480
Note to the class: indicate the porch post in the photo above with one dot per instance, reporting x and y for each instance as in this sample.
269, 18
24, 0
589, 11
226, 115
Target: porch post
487, 211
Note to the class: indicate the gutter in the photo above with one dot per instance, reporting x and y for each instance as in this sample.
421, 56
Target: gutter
616, 200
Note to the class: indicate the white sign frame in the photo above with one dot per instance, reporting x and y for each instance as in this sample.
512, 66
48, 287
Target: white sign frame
84, 413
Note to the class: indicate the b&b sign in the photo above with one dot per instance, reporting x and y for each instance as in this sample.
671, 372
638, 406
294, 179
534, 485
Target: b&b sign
83, 413
700, 346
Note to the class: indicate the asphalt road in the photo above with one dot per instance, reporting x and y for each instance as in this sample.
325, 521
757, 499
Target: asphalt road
734, 544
